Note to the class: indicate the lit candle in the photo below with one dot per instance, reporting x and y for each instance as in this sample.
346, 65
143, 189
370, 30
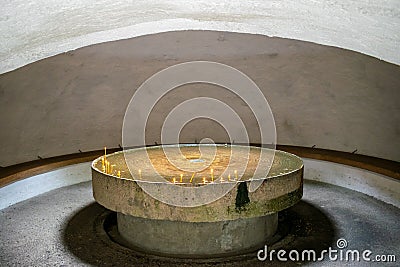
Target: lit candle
236, 176
212, 175
191, 178
112, 166
181, 180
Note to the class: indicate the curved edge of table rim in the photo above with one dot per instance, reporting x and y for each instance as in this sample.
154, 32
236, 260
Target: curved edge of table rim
14, 173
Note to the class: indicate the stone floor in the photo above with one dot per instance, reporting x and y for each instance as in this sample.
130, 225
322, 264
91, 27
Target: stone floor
61, 228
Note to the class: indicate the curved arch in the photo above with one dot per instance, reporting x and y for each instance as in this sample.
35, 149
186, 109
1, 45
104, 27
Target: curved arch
42, 29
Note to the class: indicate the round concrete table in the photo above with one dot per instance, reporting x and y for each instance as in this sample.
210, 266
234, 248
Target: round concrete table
239, 221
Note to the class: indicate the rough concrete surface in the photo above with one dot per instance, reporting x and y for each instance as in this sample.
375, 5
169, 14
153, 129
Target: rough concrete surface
57, 229
162, 200
319, 95
199, 238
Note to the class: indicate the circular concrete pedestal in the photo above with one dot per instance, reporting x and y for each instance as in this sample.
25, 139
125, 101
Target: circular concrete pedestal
197, 239
240, 220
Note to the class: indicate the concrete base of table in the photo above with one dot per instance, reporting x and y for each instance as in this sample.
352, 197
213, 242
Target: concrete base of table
197, 239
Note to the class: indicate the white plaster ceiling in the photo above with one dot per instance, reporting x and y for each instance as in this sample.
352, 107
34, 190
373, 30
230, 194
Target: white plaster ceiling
33, 30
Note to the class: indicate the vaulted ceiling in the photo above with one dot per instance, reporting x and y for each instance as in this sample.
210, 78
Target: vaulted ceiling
33, 30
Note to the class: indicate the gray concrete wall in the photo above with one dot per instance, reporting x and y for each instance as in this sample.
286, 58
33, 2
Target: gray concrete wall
330, 97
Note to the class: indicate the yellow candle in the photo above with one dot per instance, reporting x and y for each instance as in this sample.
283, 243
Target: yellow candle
119, 174
191, 178
174, 180
236, 176
140, 174
229, 177
112, 166
102, 161
105, 153
108, 167
212, 175
204, 180
181, 180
